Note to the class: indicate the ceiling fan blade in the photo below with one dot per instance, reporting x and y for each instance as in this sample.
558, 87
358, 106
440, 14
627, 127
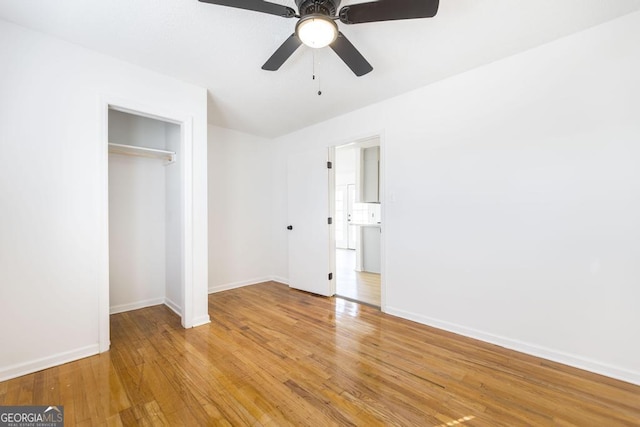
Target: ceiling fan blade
256, 5
388, 10
283, 53
350, 55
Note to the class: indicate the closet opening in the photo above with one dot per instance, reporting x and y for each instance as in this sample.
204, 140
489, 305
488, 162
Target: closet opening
145, 212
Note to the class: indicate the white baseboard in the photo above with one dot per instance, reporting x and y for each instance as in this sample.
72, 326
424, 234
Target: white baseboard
173, 306
523, 347
198, 322
135, 305
159, 301
279, 279
47, 362
177, 310
235, 285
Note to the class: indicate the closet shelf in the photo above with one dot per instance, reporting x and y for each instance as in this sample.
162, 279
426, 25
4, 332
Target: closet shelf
132, 150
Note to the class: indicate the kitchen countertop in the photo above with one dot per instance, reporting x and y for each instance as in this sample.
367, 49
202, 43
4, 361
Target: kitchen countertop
363, 224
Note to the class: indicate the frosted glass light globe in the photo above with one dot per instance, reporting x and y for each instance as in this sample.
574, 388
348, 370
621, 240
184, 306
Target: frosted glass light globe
316, 31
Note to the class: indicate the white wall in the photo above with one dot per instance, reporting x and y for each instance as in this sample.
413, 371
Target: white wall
240, 209
513, 199
136, 233
130, 129
53, 192
345, 164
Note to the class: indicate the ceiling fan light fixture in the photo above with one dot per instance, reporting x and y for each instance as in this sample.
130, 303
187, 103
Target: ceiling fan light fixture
316, 30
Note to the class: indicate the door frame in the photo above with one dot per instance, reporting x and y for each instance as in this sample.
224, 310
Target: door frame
347, 203
344, 218
186, 146
361, 140
331, 157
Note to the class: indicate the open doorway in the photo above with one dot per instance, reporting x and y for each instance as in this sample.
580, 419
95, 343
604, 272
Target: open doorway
145, 216
148, 206
358, 221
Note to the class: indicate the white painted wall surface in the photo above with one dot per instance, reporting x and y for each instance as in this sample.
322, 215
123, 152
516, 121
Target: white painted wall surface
53, 237
240, 209
513, 199
130, 129
137, 199
345, 164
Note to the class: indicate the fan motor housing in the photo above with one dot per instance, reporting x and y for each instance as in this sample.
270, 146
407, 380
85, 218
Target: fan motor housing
323, 7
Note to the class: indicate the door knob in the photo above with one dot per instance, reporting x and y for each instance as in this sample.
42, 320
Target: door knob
290, 227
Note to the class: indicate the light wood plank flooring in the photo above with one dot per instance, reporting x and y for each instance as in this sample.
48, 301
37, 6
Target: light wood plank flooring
274, 356
356, 285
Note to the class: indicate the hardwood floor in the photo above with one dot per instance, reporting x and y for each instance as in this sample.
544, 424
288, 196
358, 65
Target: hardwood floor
274, 356
356, 285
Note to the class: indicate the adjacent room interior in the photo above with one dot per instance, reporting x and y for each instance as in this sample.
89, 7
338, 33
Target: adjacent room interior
358, 221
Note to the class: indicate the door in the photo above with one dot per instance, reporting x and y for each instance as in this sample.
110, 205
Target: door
311, 243
342, 217
351, 232
345, 233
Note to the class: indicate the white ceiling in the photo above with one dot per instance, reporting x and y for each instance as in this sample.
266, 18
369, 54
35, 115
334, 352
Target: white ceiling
223, 48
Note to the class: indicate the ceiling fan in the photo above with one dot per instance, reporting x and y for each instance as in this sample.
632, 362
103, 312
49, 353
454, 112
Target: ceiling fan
317, 28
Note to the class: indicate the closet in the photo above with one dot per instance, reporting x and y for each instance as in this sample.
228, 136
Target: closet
145, 215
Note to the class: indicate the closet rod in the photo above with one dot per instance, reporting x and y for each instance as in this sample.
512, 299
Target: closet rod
133, 150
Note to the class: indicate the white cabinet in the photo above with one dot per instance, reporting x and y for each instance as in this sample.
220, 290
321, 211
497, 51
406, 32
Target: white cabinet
371, 249
369, 175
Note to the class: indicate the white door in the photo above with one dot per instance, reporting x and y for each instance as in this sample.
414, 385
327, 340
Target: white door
345, 232
351, 233
311, 243
342, 217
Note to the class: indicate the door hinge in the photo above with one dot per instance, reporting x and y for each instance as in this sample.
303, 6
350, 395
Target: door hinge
330, 276
330, 220
329, 165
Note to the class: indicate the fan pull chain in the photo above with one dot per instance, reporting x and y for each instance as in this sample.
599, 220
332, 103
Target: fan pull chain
313, 77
